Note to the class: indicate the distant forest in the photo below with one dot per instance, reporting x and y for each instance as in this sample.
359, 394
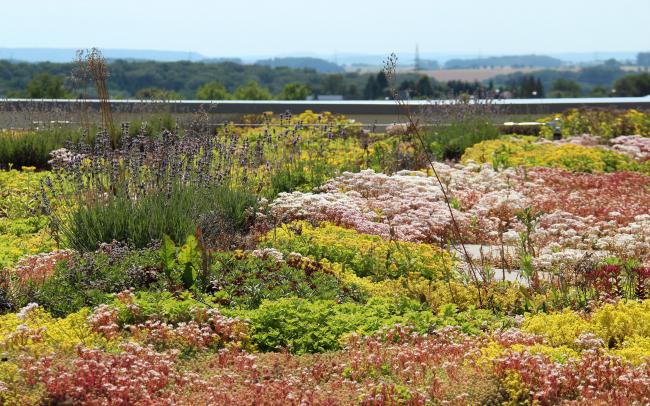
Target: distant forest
319, 65
127, 78
230, 80
515, 61
599, 80
189, 80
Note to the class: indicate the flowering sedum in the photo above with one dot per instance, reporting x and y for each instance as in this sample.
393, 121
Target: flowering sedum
602, 122
623, 327
523, 152
561, 328
364, 254
34, 332
21, 232
604, 213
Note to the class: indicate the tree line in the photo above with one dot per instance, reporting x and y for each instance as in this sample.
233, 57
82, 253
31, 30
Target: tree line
229, 80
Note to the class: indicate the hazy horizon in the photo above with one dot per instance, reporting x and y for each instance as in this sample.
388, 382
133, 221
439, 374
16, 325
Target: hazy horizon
59, 55
255, 29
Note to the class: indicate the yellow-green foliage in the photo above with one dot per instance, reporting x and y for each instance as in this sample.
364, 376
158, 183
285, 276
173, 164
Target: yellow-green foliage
366, 255
388, 289
17, 189
560, 353
615, 323
561, 328
624, 327
21, 232
605, 123
37, 333
504, 297
518, 392
488, 353
13, 247
635, 349
525, 152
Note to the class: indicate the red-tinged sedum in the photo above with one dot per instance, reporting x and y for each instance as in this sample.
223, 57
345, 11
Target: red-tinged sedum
594, 379
37, 268
138, 375
208, 329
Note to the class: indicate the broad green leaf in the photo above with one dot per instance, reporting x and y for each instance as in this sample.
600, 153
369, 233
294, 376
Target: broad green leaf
168, 254
189, 276
189, 252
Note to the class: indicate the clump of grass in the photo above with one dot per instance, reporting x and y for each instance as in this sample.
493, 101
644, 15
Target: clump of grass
32, 148
450, 142
176, 214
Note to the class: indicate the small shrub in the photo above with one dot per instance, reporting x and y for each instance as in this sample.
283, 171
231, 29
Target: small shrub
244, 281
302, 326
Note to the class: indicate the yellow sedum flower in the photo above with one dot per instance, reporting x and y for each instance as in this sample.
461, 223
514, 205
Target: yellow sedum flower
561, 328
365, 254
35, 332
615, 323
524, 151
635, 350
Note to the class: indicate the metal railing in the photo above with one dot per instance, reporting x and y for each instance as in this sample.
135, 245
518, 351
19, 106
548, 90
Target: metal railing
378, 113
338, 106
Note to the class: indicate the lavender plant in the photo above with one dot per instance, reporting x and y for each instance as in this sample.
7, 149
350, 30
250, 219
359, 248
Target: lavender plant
149, 186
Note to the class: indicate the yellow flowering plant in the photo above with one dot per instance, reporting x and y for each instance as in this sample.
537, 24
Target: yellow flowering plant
35, 332
526, 152
21, 231
600, 122
364, 254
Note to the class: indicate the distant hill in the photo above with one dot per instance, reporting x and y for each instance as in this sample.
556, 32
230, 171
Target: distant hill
429, 64
68, 54
517, 61
588, 77
319, 65
221, 60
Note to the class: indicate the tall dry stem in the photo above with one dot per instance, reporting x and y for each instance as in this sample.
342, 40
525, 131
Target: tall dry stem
390, 67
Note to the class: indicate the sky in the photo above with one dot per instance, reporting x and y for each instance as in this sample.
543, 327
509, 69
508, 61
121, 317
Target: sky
241, 28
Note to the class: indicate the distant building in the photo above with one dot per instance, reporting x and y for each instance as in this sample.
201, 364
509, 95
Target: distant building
505, 95
326, 97
404, 94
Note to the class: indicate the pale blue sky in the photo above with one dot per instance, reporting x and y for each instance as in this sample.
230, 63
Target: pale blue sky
246, 28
